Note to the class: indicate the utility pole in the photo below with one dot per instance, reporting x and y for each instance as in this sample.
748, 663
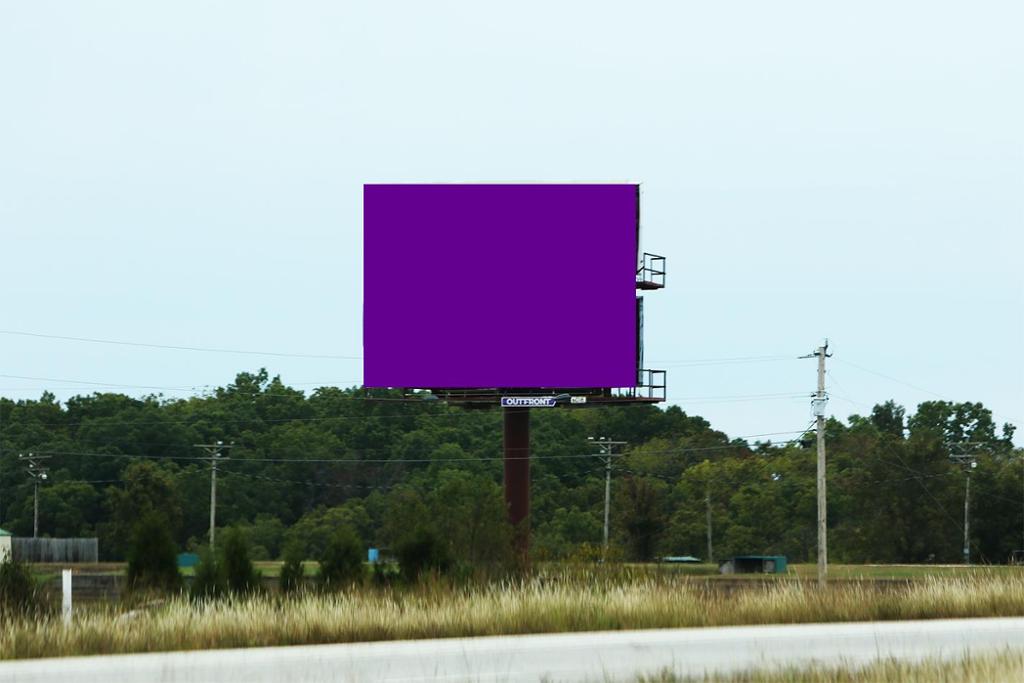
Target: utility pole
213, 451
963, 453
38, 471
606, 445
707, 510
819, 403
967, 515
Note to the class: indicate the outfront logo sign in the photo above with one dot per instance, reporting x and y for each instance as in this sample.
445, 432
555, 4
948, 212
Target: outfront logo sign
528, 402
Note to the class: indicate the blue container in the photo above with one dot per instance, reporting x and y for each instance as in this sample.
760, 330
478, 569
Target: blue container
372, 555
188, 560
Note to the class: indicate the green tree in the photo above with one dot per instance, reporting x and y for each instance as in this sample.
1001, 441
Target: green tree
19, 594
642, 515
896, 498
152, 557
147, 488
292, 574
421, 551
66, 510
888, 418
315, 529
468, 511
210, 581
894, 495
239, 572
341, 563
567, 530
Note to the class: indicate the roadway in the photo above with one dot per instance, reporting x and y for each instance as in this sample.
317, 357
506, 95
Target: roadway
595, 656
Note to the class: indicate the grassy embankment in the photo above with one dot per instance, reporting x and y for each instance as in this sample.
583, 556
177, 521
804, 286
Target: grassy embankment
552, 601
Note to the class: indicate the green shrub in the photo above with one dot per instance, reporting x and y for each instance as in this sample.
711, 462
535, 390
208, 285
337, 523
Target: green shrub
385, 574
342, 559
422, 551
292, 577
239, 572
152, 556
19, 594
209, 581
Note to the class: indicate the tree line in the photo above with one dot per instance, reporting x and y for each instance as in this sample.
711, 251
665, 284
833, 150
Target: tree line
303, 465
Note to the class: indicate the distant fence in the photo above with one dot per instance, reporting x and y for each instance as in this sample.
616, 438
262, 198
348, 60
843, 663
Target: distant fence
55, 549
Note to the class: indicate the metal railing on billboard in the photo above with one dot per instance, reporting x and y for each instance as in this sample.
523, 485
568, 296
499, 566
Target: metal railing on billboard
651, 274
651, 385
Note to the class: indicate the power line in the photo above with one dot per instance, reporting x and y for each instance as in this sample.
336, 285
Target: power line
194, 387
174, 347
180, 444
912, 386
205, 349
318, 484
890, 378
358, 461
720, 361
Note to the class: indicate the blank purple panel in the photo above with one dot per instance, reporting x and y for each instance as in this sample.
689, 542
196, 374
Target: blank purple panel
485, 286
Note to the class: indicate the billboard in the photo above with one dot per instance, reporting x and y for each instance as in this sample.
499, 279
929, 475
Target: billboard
500, 286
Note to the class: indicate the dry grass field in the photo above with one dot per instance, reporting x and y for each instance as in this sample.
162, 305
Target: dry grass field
550, 601
1005, 667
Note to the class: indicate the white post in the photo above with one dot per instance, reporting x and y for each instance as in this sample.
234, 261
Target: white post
66, 601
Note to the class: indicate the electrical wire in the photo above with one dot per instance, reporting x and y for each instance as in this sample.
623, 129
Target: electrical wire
298, 482
360, 461
173, 347
205, 349
195, 387
720, 361
911, 386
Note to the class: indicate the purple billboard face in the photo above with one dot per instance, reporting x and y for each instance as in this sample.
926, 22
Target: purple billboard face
487, 286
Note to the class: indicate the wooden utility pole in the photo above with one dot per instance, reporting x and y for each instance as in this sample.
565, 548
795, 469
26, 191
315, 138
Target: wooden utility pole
36, 469
606, 445
707, 510
819, 403
963, 453
213, 451
967, 516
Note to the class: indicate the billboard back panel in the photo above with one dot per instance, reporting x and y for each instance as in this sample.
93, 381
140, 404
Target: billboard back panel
485, 286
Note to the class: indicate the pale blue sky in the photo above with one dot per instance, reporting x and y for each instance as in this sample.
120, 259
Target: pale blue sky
190, 174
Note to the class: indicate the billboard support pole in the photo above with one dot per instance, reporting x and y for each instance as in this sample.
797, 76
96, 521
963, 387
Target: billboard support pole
516, 442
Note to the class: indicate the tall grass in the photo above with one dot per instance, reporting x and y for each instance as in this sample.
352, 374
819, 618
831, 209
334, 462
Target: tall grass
550, 602
1003, 666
